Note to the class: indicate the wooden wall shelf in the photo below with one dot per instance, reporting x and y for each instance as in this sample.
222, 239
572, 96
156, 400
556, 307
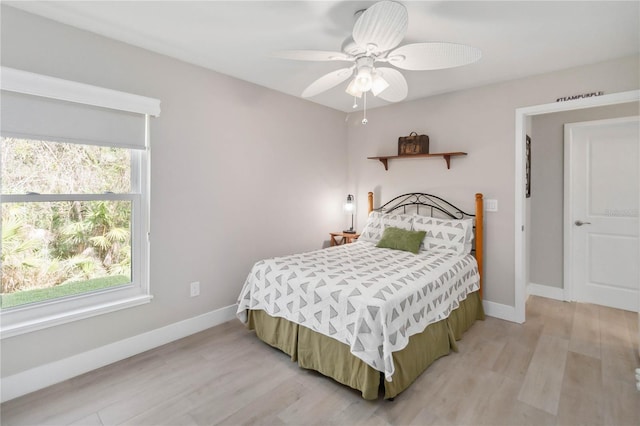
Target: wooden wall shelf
446, 155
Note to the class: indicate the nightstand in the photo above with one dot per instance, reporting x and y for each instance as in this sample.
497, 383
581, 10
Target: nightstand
343, 238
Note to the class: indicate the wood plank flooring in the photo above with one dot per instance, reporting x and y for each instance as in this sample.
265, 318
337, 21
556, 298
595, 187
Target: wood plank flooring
569, 364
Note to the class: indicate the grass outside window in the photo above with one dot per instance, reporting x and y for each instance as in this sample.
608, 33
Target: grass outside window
66, 289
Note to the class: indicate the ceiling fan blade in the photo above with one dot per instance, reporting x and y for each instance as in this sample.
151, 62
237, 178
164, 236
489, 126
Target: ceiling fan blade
398, 89
381, 27
433, 56
311, 55
327, 81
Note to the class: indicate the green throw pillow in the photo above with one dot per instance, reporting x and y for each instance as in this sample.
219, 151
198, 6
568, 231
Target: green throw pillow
401, 239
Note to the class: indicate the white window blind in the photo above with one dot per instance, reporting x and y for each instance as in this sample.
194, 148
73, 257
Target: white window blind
34, 106
37, 118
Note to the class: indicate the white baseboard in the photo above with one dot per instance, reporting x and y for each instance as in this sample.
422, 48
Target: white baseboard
49, 374
546, 291
498, 310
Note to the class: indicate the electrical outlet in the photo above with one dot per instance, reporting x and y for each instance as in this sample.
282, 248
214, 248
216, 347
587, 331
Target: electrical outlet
195, 289
491, 205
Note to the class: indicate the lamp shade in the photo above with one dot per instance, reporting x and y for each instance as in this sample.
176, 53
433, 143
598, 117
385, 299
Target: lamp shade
353, 90
378, 84
364, 79
350, 205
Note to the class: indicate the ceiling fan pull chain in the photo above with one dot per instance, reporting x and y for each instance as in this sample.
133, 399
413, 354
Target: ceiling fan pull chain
364, 120
355, 102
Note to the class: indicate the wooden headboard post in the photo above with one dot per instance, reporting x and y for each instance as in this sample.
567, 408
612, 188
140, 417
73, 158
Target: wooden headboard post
370, 199
479, 238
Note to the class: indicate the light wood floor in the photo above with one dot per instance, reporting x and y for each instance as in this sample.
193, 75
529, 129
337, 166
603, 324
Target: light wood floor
569, 364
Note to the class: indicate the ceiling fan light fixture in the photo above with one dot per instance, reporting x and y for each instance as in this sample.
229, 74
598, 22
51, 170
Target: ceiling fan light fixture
378, 84
353, 90
364, 79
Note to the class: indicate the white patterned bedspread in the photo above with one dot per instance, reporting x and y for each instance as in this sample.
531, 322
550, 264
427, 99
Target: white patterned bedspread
371, 299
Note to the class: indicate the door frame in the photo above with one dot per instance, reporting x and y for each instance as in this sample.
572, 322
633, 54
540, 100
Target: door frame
569, 290
520, 212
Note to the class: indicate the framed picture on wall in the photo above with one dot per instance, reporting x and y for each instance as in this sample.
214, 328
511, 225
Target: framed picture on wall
527, 170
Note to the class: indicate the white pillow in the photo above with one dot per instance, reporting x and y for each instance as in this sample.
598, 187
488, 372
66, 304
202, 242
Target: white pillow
445, 235
377, 222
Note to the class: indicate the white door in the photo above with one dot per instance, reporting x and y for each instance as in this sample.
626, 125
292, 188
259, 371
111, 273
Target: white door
602, 251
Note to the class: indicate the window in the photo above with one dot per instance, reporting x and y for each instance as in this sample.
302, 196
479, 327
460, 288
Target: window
74, 200
66, 219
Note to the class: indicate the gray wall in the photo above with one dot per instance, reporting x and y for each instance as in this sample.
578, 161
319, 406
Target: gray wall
547, 188
481, 122
239, 173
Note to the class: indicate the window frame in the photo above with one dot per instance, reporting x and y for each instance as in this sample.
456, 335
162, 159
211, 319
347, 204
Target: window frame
31, 317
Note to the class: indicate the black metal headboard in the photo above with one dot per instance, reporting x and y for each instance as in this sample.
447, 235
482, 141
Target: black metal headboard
426, 201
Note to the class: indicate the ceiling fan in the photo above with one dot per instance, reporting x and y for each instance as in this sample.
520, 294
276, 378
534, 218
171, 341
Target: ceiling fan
376, 34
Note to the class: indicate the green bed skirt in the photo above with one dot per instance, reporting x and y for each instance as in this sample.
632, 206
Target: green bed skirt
326, 355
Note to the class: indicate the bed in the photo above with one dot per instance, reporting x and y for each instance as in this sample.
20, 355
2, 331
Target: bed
369, 316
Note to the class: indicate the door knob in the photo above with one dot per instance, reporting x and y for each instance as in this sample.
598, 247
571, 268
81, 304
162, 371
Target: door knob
580, 223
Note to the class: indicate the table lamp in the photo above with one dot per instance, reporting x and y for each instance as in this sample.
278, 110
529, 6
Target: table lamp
350, 208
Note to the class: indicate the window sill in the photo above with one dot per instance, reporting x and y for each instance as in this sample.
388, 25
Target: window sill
37, 317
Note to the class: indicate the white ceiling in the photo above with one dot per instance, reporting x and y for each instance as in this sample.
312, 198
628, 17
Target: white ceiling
236, 37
